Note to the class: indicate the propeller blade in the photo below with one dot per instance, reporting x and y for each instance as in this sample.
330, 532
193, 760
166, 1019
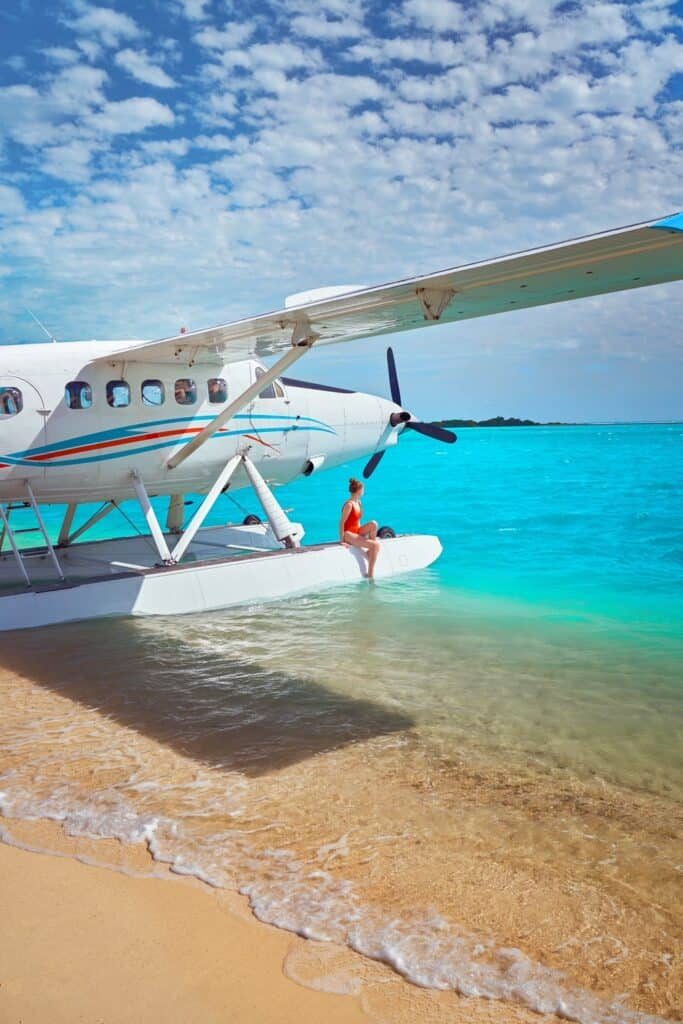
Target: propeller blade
372, 465
431, 430
393, 378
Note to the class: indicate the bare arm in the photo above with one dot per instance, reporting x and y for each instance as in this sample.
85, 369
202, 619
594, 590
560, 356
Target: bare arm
344, 515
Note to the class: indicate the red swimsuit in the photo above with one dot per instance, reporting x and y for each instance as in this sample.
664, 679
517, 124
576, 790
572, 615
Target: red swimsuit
352, 521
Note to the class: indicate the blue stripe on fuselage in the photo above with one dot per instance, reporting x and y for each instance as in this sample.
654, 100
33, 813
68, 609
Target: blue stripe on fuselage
129, 431
123, 452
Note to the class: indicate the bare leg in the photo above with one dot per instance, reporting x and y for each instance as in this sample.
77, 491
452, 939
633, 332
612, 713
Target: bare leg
369, 529
370, 546
373, 554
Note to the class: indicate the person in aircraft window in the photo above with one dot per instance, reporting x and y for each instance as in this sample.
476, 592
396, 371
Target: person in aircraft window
352, 534
8, 406
185, 391
218, 391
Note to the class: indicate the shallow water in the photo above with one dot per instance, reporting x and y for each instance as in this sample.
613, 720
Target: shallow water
473, 773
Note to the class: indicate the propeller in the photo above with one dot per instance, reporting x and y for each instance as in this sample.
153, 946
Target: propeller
396, 418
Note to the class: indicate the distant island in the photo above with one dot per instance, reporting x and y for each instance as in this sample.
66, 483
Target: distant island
500, 421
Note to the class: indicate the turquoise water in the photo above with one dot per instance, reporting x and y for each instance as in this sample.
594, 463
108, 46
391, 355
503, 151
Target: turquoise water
584, 521
506, 725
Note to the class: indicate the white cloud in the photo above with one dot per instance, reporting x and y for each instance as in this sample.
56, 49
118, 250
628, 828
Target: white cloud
140, 66
105, 25
89, 49
11, 201
125, 117
168, 147
656, 15
320, 27
443, 52
217, 142
227, 38
76, 88
70, 162
23, 117
194, 10
16, 63
281, 56
440, 15
34, 118
61, 54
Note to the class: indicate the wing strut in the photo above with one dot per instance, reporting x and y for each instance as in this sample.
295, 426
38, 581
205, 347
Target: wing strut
303, 338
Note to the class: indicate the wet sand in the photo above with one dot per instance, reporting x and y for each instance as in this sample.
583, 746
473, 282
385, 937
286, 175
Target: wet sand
85, 943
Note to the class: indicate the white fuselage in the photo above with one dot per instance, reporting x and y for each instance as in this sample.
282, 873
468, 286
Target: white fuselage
88, 452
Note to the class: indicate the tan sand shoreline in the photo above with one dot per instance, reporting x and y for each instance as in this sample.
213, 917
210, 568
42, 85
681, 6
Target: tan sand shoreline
82, 942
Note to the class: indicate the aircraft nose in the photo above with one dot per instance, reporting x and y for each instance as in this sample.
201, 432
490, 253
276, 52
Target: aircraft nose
391, 415
399, 417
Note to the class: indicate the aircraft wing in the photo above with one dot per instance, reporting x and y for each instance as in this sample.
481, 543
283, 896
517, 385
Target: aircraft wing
630, 257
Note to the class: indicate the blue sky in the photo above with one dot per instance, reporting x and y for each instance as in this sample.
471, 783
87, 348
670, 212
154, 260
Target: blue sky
190, 162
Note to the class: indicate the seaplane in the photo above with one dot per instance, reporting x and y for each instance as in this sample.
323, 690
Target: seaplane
212, 410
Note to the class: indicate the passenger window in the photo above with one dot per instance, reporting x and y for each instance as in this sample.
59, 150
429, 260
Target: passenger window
153, 392
78, 394
185, 391
269, 390
11, 401
118, 393
218, 390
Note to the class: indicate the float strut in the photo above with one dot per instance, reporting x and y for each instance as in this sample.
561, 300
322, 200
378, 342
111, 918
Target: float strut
151, 517
7, 531
276, 515
63, 538
175, 517
94, 518
41, 524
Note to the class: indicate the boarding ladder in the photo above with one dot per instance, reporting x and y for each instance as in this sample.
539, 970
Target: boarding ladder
8, 532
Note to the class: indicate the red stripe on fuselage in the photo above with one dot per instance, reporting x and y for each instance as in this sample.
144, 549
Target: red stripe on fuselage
116, 442
264, 443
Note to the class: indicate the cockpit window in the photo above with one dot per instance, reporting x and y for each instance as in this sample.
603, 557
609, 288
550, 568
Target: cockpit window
11, 401
185, 391
78, 394
152, 392
218, 390
118, 393
269, 390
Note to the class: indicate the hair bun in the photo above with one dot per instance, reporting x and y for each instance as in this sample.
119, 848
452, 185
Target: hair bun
355, 485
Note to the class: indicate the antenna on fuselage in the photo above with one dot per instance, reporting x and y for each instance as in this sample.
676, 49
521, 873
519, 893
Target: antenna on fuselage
41, 325
182, 318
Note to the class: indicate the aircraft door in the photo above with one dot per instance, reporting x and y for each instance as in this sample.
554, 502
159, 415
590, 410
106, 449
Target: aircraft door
23, 420
275, 423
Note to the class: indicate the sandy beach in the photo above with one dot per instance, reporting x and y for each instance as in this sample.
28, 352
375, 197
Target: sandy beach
82, 943
112, 945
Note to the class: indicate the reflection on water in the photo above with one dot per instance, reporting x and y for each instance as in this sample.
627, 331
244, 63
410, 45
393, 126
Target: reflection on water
433, 780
